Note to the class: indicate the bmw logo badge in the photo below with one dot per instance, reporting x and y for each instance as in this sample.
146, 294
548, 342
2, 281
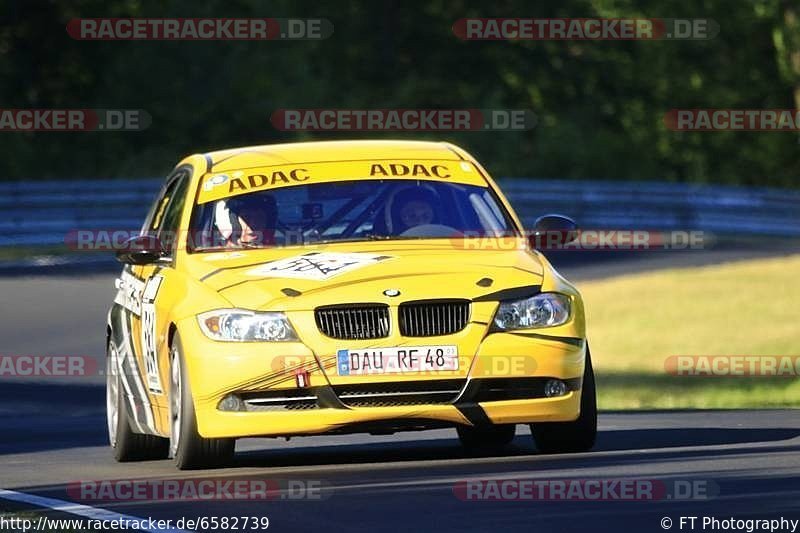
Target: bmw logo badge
391, 292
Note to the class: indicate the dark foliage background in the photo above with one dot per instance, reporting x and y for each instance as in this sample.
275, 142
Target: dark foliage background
600, 105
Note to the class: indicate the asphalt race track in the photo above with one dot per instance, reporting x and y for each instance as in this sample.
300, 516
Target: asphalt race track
748, 462
740, 464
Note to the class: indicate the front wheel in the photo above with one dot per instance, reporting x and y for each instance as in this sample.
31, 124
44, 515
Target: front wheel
576, 436
186, 446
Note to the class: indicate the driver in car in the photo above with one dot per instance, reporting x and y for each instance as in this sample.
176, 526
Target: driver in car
247, 221
411, 208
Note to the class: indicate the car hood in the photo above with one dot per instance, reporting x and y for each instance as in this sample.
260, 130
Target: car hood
303, 278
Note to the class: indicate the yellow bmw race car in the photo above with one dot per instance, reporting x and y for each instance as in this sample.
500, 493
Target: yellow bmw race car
340, 287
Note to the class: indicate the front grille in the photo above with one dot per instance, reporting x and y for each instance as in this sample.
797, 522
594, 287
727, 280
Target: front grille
279, 400
433, 317
289, 405
355, 321
440, 391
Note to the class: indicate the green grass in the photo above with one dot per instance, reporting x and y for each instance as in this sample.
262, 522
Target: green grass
642, 390
636, 322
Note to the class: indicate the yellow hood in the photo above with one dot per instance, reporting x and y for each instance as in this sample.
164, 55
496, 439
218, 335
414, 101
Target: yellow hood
302, 278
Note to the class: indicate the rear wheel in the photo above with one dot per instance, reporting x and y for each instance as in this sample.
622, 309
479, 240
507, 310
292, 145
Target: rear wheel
127, 445
576, 436
187, 447
486, 439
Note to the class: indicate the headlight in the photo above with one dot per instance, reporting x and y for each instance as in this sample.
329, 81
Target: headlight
540, 311
240, 325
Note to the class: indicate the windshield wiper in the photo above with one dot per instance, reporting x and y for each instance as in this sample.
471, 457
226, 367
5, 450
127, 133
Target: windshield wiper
355, 239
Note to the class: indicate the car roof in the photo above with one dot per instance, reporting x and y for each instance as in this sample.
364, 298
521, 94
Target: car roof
328, 151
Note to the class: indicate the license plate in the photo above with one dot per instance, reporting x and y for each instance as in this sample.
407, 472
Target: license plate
397, 360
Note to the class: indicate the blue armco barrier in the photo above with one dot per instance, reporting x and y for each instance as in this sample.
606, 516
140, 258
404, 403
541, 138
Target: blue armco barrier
43, 213
658, 205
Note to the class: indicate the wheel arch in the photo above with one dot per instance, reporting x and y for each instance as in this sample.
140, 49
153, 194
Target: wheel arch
171, 331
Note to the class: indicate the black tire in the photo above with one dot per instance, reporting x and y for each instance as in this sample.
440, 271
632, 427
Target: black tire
576, 436
191, 450
486, 439
126, 444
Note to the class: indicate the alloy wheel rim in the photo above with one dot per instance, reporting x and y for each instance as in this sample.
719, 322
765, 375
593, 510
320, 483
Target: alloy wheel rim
112, 396
175, 403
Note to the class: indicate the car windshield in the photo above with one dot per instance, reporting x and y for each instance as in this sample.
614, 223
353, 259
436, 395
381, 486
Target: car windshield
349, 211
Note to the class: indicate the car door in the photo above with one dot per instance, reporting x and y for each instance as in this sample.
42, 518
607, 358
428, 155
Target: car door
145, 329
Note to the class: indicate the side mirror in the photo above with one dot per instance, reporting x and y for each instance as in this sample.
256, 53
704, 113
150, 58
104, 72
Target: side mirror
141, 250
552, 231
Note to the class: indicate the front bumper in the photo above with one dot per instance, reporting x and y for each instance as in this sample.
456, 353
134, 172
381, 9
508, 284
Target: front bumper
217, 370
215, 423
